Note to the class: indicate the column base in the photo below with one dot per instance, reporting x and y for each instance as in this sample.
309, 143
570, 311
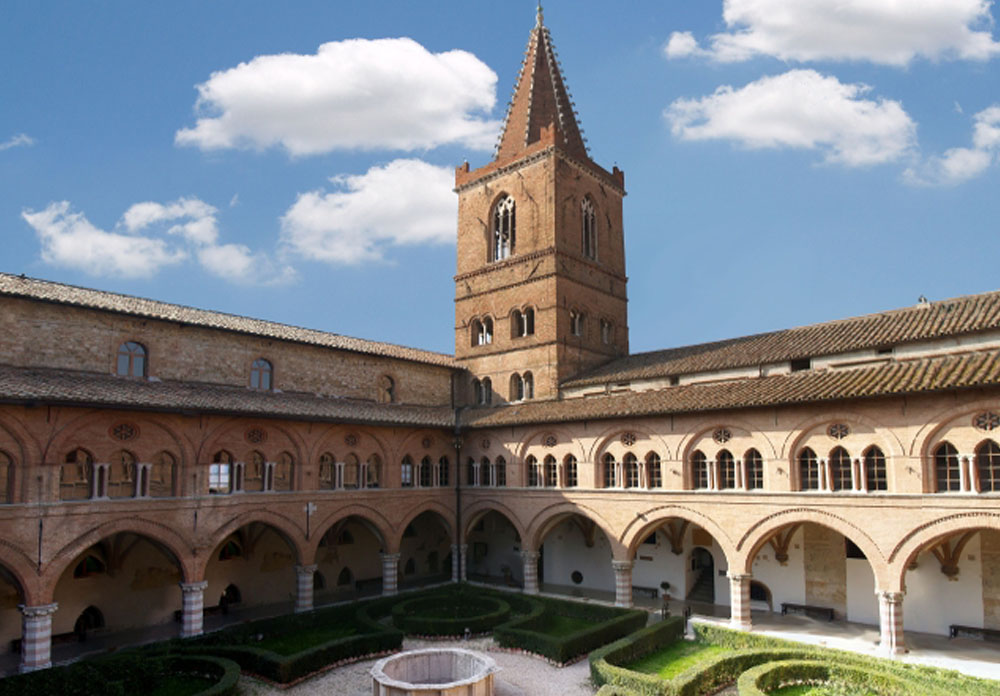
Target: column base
25, 669
745, 626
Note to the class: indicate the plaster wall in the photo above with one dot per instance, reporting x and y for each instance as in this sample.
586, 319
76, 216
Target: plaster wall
787, 583
502, 549
565, 551
933, 602
862, 604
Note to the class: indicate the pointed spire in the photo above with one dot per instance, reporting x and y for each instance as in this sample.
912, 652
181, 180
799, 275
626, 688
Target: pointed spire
541, 100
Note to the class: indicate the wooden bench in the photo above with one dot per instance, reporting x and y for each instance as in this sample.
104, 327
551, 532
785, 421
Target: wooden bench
650, 592
808, 609
985, 633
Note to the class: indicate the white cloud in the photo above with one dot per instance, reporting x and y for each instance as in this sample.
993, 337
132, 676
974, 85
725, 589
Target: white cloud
799, 109
959, 164
403, 203
69, 239
354, 94
19, 140
890, 32
172, 232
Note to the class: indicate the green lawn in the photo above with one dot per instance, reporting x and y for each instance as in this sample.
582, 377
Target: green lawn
821, 690
559, 626
291, 643
676, 658
181, 685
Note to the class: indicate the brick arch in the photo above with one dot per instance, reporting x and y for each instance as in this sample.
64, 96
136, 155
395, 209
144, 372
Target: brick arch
477, 511
757, 535
921, 537
174, 546
645, 521
566, 442
284, 526
25, 572
546, 519
415, 512
66, 439
605, 437
326, 442
214, 441
766, 448
28, 446
379, 525
440, 447
928, 436
796, 434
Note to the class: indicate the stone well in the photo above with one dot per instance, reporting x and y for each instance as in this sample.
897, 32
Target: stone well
434, 672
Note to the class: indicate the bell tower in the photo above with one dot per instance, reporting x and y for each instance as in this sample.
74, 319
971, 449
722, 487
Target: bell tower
540, 288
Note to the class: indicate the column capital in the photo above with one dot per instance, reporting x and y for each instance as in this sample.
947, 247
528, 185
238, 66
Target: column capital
890, 596
739, 577
306, 569
530, 555
191, 587
621, 566
38, 611
390, 557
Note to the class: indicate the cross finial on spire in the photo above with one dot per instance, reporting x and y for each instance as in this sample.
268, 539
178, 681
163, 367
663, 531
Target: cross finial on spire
539, 18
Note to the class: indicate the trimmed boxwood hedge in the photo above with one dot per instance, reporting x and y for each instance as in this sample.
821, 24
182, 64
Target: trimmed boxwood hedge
124, 674
764, 679
605, 663
410, 615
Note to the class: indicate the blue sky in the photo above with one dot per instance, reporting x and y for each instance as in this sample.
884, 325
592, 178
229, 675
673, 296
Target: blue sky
843, 160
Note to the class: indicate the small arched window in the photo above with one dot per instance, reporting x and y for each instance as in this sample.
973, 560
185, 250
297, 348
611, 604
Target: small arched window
754, 465
841, 470
570, 479
373, 466
487, 391
443, 471
589, 228
551, 472
261, 374
988, 466
470, 472
476, 332
610, 473
406, 472
947, 468
6, 471
284, 470
351, 475
90, 565
576, 319
161, 475
504, 229
121, 475
654, 475
500, 472
607, 332
345, 578
522, 323
253, 476
220, 471
386, 390
631, 470
76, 475
699, 471
516, 387
808, 471
531, 465
875, 473
327, 471
131, 360
727, 470
529, 385
425, 474
484, 471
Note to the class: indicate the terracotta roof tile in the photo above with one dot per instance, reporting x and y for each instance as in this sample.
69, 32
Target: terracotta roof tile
967, 370
33, 288
49, 386
952, 317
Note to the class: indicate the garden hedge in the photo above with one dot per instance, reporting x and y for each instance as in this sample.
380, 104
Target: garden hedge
606, 663
410, 615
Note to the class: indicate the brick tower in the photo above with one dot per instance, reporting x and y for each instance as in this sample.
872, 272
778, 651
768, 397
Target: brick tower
540, 287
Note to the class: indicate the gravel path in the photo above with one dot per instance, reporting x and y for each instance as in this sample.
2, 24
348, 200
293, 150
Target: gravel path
520, 675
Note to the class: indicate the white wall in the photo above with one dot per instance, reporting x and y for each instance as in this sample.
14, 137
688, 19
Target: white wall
503, 549
362, 557
786, 582
266, 575
933, 602
566, 551
862, 604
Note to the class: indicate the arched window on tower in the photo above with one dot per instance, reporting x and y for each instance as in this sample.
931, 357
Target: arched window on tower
529, 385
504, 229
607, 332
875, 473
487, 391
946, 468
576, 318
476, 332
485, 336
386, 390
589, 228
131, 360
516, 387
522, 323
988, 466
699, 471
841, 470
261, 373
808, 471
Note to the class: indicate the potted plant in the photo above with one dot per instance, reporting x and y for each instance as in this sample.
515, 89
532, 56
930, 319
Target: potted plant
665, 609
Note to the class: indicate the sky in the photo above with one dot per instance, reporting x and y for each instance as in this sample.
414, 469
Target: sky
787, 161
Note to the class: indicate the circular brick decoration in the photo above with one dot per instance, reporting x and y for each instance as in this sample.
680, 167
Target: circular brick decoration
351, 440
550, 441
255, 435
628, 439
722, 435
124, 432
426, 442
986, 421
485, 444
838, 431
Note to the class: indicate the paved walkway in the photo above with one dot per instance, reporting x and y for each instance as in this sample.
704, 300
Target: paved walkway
520, 675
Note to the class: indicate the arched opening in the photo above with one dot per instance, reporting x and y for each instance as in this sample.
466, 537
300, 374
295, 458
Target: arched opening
573, 547
349, 550
494, 550
813, 569
258, 559
430, 540
230, 597
760, 597
124, 582
702, 568
11, 595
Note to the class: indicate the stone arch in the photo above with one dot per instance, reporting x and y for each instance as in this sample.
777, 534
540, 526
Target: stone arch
415, 512
288, 530
923, 536
646, 521
175, 547
758, 534
797, 433
369, 516
686, 445
478, 510
547, 519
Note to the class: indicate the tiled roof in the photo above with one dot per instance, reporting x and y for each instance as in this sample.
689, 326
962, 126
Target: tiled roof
976, 369
960, 315
33, 288
66, 387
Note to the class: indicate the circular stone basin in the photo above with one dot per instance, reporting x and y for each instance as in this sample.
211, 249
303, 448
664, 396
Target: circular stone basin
434, 672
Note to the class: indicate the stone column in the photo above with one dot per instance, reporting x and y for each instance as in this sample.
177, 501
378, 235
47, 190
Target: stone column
712, 478
890, 616
192, 608
963, 474
862, 483
463, 567
36, 636
623, 583
304, 587
456, 561
741, 479
973, 475
390, 573
739, 602
530, 560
